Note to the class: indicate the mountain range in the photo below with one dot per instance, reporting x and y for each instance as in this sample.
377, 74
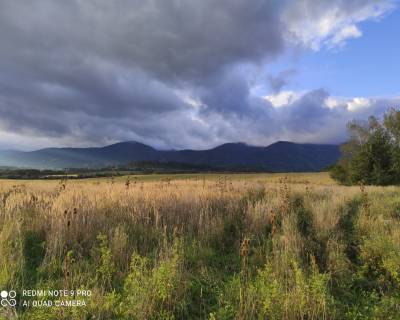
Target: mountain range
281, 156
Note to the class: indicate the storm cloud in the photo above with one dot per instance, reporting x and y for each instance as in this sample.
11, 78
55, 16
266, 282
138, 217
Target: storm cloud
171, 73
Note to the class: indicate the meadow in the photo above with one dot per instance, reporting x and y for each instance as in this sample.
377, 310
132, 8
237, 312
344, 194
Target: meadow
239, 246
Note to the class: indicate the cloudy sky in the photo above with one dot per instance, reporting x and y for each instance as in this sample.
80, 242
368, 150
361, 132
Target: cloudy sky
193, 74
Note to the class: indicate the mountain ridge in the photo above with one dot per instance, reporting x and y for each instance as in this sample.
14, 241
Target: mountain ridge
280, 156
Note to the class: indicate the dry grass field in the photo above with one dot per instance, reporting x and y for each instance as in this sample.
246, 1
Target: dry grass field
251, 246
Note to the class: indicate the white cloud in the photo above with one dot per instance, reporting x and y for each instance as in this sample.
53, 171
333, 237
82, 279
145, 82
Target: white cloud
352, 104
282, 98
315, 24
359, 103
347, 32
332, 102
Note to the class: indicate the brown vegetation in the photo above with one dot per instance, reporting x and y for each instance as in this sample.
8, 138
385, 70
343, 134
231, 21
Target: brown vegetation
267, 247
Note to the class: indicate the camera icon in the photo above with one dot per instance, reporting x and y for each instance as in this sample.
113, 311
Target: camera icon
8, 298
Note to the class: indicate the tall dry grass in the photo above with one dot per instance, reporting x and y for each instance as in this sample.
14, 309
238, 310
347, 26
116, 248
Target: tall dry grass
199, 248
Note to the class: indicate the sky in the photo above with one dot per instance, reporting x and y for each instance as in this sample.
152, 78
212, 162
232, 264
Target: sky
193, 74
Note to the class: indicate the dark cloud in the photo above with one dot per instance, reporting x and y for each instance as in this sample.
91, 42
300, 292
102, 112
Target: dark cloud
168, 38
281, 79
170, 73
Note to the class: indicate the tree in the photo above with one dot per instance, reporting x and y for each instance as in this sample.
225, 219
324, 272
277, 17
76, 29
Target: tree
372, 154
392, 124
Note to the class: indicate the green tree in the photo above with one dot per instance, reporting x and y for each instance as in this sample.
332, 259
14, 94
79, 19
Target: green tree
372, 154
392, 123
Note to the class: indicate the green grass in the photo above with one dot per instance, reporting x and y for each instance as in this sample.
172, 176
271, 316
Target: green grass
307, 177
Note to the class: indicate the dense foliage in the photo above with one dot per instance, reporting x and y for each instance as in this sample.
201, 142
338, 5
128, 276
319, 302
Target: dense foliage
372, 155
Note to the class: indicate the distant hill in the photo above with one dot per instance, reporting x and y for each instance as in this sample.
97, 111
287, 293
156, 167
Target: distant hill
281, 156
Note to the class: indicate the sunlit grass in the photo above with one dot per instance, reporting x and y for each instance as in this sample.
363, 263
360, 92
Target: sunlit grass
204, 246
